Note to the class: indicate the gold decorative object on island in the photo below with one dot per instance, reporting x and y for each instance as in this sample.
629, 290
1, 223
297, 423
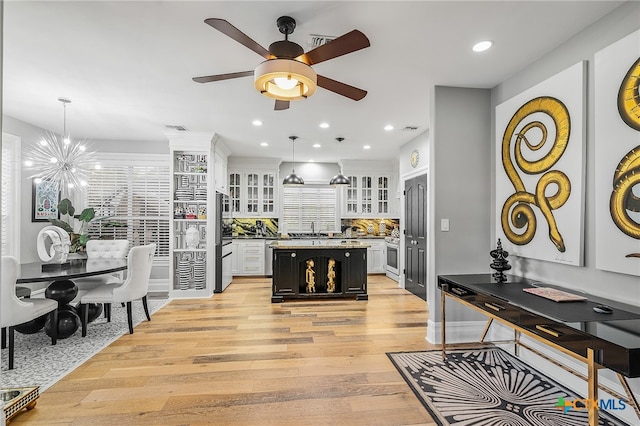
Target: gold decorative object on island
310, 277
331, 275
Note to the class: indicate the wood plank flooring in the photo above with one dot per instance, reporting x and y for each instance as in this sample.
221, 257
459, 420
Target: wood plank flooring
237, 359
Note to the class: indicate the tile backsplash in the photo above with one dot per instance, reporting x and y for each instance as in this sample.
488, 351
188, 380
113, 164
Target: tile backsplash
268, 227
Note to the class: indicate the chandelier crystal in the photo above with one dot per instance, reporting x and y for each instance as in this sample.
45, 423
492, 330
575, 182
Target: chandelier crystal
60, 161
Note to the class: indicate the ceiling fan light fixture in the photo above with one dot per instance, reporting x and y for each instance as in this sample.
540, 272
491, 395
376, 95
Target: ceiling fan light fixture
285, 79
285, 83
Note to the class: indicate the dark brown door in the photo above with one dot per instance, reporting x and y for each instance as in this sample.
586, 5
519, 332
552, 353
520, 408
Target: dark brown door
415, 271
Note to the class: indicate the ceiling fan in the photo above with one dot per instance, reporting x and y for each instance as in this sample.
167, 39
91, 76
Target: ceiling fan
286, 74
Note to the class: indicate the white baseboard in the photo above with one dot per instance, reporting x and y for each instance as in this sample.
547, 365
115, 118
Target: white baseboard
159, 285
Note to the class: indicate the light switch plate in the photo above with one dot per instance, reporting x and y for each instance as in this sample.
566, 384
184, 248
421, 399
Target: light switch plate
444, 225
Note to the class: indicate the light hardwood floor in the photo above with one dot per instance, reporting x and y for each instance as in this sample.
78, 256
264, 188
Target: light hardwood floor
237, 359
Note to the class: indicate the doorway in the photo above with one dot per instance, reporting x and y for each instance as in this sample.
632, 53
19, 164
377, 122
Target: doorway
415, 203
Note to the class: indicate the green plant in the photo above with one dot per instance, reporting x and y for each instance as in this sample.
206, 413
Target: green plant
74, 224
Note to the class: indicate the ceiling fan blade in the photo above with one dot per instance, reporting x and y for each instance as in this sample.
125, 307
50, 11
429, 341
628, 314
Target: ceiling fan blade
341, 88
347, 43
229, 30
218, 77
280, 105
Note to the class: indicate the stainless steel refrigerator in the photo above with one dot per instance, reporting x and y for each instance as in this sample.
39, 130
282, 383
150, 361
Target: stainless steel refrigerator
223, 243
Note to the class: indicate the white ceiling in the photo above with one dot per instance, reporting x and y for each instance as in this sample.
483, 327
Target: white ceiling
127, 66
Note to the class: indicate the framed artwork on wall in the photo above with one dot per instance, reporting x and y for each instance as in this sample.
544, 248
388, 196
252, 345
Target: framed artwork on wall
45, 196
617, 156
540, 169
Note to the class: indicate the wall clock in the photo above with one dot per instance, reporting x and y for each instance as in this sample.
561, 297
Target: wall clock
415, 158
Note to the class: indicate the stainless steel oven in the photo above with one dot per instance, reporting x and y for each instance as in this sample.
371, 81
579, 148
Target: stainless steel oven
393, 258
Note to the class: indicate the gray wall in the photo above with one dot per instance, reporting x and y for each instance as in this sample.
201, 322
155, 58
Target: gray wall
621, 22
460, 188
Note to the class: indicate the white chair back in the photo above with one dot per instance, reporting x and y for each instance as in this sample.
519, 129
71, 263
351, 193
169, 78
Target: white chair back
13, 310
107, 249
139, 262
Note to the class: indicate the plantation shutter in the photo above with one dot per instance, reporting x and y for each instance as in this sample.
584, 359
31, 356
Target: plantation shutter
10, 195
133, 197
306, 204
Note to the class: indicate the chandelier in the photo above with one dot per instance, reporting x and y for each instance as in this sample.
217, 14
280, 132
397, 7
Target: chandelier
60, 162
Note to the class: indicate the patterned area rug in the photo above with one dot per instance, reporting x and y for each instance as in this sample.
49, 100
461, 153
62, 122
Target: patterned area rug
489, 387
38, 363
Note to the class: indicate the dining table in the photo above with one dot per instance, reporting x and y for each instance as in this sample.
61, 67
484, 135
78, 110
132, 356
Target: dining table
62, 288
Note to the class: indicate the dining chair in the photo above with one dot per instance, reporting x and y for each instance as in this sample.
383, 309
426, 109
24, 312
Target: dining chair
16, 311
103, 249
134, 287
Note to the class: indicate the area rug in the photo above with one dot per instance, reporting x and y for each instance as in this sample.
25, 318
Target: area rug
39, 363
489, 387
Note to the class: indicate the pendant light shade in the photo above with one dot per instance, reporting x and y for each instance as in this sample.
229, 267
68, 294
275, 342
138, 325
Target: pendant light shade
293, 178
340, 179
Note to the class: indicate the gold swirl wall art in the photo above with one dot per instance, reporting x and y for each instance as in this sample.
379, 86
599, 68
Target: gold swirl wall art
617, 169
629, 97
540, 169
517, 211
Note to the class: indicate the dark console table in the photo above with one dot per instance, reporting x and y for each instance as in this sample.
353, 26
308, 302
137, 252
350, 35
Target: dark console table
305, 270
601, 340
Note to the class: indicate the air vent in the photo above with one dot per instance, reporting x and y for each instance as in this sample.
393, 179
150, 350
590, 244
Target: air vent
177, 127
410, 128
316, 40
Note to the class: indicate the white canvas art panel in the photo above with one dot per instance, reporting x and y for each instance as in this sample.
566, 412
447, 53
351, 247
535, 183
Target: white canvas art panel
617, 159
540, 144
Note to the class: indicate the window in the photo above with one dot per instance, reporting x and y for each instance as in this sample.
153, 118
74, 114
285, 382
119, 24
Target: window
10, 195
303, 205
134, 197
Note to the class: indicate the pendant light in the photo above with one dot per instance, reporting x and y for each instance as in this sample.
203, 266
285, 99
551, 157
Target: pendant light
60, 162
293, 178
340, 179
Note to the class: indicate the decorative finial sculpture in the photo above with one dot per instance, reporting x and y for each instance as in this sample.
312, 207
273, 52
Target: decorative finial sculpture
500, 262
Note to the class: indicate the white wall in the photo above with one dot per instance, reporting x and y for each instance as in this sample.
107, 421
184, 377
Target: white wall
621, 22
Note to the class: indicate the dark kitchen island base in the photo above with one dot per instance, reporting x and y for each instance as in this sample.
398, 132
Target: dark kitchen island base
319, 272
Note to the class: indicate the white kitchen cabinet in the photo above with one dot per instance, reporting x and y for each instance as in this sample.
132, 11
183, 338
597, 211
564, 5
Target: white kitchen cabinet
373, 190
220, 167
250, 258
253, 187
376, 255
191, 231
253, 194
368, 195
235, 258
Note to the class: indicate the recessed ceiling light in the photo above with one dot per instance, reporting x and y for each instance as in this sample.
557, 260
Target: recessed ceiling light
310, 161
316, 145
482, 46
256, 123
264, 144
388, 127
324, 125
366, 147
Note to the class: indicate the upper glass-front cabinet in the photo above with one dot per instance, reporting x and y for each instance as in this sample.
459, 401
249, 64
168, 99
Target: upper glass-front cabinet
368, 195
252, 193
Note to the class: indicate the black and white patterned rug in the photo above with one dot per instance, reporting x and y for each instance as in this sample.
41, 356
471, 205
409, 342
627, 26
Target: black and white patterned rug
39, 363
490, 387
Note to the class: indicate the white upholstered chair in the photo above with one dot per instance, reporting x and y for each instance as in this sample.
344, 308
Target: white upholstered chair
135, 287
15, 311
103, 249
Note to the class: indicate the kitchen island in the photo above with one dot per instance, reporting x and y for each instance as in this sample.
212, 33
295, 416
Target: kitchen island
305, 269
